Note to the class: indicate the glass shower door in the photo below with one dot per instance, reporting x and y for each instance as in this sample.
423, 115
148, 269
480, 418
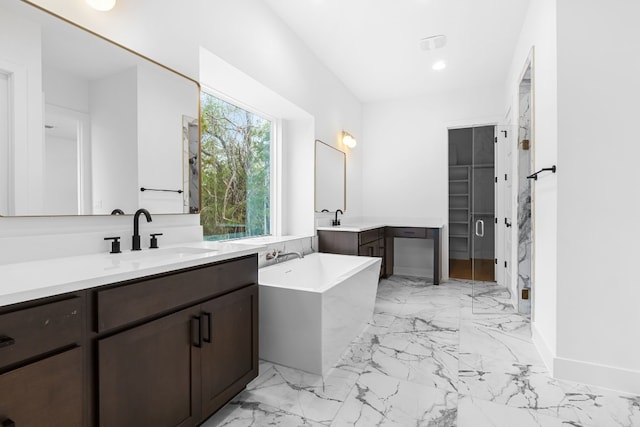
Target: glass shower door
485, 291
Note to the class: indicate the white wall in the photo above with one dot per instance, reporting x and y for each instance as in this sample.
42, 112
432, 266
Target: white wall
585, 248
114, 140
539, 31
5, 108
23, 62
297, 177
598, 337
67, 94
65, 90
405, 162
159, 136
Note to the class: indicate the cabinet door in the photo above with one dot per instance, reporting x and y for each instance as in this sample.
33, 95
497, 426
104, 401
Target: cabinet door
374, 249
145, 374
370, 249
230, 348
44, 393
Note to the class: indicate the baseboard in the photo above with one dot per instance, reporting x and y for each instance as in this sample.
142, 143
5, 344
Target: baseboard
543, 348
412, 271
611, 377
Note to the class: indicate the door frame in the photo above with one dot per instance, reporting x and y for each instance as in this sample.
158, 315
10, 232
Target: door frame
511, 199
83, 155
462, 124
528, 63
18, 130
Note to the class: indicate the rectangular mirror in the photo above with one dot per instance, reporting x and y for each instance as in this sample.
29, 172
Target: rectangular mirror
88, 127
331, 167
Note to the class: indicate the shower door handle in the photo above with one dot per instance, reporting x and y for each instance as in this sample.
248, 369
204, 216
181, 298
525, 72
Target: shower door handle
480, 228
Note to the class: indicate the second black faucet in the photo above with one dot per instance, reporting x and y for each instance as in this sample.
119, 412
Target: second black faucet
336, 221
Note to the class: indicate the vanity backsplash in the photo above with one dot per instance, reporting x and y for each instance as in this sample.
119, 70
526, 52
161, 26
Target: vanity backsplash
36, 238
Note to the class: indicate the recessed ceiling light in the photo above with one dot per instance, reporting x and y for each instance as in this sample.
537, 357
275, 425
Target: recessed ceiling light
439, 65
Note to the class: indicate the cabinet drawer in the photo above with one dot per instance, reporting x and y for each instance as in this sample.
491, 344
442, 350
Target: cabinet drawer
338, 242
416, 232
137, 301
370, 235
44, 393
33, 331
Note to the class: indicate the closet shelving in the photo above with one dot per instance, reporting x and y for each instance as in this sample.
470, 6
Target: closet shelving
459, 211
472, 186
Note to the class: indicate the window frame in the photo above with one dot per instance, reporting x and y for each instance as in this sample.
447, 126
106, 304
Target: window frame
275, 172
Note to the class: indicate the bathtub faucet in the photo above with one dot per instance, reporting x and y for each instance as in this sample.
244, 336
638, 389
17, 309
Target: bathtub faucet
277, 255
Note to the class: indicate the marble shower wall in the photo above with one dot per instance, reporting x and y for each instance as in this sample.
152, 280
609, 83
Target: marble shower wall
524, 194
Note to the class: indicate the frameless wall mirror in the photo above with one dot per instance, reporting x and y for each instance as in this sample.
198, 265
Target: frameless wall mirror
331, 167
86, 124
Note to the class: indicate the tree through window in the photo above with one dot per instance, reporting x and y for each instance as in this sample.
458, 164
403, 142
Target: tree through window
235, 170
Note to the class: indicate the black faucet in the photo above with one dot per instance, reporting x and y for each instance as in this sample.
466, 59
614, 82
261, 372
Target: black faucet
135, 239
337, 221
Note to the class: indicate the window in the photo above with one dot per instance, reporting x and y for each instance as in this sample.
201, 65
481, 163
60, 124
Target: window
235, 171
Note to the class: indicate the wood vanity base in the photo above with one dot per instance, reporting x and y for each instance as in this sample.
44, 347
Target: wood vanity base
169, 349
379, 242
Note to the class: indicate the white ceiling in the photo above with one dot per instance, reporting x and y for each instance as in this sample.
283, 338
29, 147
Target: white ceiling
373, 45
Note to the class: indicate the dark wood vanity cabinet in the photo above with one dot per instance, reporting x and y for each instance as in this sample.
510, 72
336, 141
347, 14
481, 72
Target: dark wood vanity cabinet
167, 350
41, 363
380, 242
181, 368
364, 243
186, 363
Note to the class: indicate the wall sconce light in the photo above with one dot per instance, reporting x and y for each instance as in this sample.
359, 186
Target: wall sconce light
348, 139
102, 5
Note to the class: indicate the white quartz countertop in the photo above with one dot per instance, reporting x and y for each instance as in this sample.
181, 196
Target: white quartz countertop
26, 281
364, 224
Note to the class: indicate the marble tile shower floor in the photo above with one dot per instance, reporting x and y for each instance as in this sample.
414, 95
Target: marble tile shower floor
428, 358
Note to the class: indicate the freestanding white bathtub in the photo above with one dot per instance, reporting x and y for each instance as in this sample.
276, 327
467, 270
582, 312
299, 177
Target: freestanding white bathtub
312, 308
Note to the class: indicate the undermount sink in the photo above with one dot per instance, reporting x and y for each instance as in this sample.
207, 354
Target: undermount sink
167, 253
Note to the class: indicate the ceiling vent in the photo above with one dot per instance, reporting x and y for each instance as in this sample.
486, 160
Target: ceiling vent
433, 42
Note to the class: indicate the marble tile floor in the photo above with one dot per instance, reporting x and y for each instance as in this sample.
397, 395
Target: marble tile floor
443, 356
